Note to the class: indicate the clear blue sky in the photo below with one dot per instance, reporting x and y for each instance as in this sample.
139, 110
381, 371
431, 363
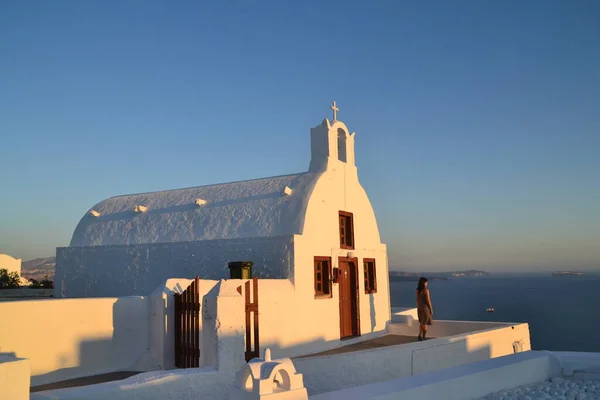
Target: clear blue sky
477, 122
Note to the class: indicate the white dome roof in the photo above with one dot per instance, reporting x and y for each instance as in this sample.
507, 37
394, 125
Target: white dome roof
254, 208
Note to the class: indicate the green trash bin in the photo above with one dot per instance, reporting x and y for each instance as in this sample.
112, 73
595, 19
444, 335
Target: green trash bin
240, 269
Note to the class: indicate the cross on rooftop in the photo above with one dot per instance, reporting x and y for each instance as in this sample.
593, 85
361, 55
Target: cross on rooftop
335, 110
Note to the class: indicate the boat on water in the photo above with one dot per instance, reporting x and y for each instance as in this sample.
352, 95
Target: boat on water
490, 309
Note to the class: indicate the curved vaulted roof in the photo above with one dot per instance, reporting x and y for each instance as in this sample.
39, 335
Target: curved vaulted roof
254, 208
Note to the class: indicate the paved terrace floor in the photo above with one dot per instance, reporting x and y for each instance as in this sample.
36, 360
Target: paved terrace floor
87, 380
383, 341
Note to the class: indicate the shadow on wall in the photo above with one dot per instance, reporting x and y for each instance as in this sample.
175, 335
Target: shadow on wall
120, 352
98, 272
373, 312
447, 355
313, 345
320, 374
342, 371
129, 215
191, 383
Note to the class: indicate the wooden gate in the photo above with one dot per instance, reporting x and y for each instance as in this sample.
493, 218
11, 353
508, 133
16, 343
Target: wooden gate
252, 307
187, 327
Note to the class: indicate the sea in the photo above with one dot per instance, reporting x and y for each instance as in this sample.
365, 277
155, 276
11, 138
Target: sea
563, 313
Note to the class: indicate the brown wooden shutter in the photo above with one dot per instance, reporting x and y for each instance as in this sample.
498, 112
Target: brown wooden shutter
342, 231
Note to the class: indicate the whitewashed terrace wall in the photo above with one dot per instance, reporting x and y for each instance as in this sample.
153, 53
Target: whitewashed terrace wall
472, 347
69, 338
465, 382
580, 364
113, 271
277, 313
223, 334
188, 384
162, 316
289, 326
14, 378
321, 375
446, 328
476, 380
336, 372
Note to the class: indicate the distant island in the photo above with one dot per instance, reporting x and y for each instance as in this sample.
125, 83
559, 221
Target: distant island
471, 272
39, 268
567, 273
434, 276
411, 278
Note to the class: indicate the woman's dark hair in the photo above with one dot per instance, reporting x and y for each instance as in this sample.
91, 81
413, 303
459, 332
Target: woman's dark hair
421, 285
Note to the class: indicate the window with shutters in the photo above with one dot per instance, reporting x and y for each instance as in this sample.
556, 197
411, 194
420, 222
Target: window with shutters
322, 277
346, 230
370, 275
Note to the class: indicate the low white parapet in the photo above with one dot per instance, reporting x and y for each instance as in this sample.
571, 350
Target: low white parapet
404, 315
579, 364
268, 379
14, 378
471, 381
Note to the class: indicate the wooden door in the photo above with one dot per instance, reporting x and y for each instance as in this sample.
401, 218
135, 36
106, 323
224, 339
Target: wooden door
348, 292
187, 326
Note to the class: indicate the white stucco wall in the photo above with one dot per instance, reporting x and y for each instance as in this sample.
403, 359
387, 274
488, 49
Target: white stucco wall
223, 326
292, 326
324, 313
68, 338
277, 316
476, 380
403, 314
139, 269
14, 378
281, 328
339, 189
465, 382
579, 364
327, 374
11, 264
162, 325
336, 372
468, 381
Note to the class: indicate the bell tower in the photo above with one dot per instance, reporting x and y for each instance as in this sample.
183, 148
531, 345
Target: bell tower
331, 144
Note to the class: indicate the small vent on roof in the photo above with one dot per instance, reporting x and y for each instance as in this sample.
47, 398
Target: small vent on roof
200, 202
287, 191
94, 213
139, 208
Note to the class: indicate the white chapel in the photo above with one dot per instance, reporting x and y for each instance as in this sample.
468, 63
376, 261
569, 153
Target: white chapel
316, 229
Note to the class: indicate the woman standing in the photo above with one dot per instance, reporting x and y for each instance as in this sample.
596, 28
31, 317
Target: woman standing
424, 307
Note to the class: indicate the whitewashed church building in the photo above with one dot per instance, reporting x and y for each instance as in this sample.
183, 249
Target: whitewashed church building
316, 229
316, 320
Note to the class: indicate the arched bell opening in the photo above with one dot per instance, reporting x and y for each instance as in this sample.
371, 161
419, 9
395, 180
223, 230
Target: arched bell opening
342, 146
